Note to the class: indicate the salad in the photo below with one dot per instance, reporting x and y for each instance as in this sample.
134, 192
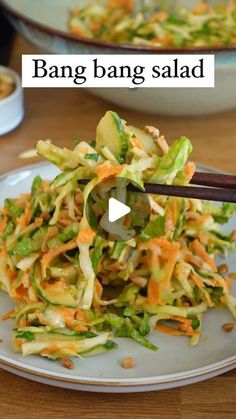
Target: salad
120, 21
75, 291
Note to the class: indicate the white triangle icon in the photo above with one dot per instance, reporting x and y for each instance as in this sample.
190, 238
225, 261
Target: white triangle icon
116, 210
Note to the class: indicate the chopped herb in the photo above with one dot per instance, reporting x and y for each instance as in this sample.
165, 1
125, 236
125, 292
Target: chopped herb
25, 334
216, 294
197, 295
110, 345
37, 182
92, 143
195, 323
75, 141
13, 210
91, 156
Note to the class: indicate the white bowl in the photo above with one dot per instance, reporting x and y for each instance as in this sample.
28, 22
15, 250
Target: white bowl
45, 24
11, 107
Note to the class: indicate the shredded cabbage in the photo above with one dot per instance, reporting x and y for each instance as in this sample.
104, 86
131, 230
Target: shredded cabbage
76, 291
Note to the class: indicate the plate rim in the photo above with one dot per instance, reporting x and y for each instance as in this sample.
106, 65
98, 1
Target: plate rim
16, 365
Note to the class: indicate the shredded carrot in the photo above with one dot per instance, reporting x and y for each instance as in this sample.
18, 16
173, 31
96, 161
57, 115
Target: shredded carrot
86, 236
201, 8
52, 254
38, 221
161, 242
154, 292
171, 261
84, 150
77, 31
172, 331
159, 16
198, 248
11, 274
171, 215
124, 4
137, 143
181, 320
22, 322
186, 324
199, 220
25, 279
8, 315
25, 218
190, 169
3, 253
104, 171
97, 293
80, 314
52, 232
3, 224
203, 237
198, 281
68, 314
160, 247
95, 26
51, 348
98, 288
80, 328
21, 294
166, 40
18, 342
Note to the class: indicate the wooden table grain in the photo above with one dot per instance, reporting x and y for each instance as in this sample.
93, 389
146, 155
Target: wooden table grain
61, 114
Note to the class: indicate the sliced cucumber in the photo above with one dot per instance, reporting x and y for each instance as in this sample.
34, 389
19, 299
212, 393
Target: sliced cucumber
112, 133
146, 140
65, 299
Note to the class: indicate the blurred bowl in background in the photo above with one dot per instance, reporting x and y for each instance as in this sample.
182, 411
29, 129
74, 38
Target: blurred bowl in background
11, 107
44, 24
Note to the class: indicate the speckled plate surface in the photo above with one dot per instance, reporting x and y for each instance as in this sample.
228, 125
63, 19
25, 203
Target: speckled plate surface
174, 364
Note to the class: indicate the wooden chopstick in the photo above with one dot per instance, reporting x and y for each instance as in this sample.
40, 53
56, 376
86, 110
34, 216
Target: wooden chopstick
220, 187
217, 180
209, 194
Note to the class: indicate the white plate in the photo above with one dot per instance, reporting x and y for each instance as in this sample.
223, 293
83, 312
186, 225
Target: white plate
175, 364
44, 24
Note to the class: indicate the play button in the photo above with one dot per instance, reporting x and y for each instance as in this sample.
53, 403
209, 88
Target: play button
115, 212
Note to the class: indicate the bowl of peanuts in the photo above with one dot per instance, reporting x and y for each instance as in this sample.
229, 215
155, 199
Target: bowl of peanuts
11, 100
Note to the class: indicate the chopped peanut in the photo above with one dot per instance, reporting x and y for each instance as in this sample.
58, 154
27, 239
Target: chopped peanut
7, 85
128, 362
223, 269
67, 363
228, 327
233, 235
154, 132
162, 143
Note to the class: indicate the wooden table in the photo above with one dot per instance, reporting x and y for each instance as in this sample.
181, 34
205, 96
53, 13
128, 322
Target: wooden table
61, 114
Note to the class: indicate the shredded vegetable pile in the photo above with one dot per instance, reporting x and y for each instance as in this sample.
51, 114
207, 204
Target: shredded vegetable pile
120, 22
76, 292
